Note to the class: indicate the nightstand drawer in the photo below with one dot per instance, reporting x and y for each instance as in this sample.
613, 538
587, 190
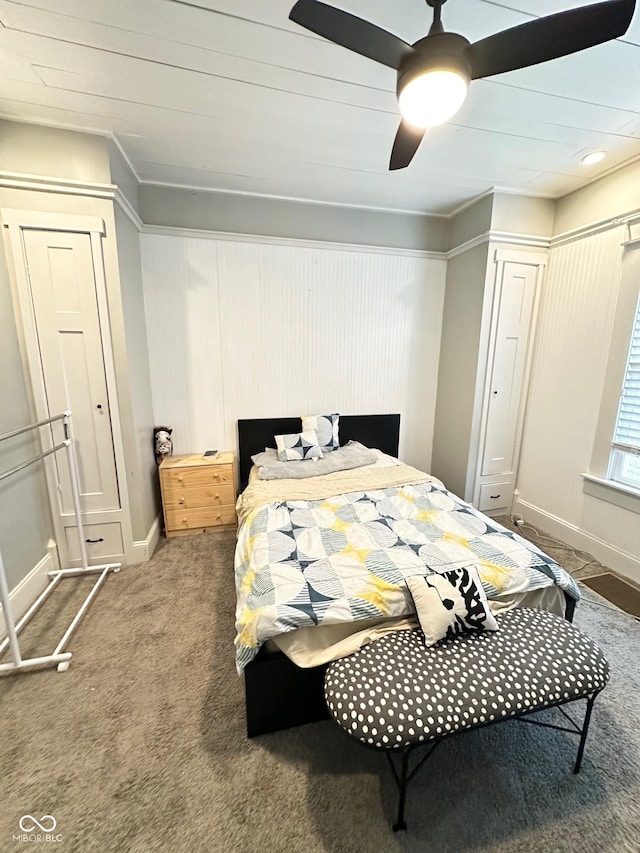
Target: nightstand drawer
206, 475
186, 495
187, 519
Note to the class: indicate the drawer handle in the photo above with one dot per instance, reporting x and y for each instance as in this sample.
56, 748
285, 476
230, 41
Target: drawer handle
218, 517
216, 496
181, 500
493, 497
94, 541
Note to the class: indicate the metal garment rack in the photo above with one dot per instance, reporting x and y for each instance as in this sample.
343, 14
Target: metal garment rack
58, 657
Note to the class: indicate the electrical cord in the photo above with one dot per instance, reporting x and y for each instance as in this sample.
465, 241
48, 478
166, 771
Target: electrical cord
575, 554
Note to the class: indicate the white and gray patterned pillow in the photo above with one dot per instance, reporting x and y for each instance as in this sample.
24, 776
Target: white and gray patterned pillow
327, 428
450, 603
296, 446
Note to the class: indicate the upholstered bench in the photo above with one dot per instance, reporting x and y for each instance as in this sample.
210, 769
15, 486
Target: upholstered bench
395, 694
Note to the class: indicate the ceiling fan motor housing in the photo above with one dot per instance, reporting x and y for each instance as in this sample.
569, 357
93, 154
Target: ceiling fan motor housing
439, 51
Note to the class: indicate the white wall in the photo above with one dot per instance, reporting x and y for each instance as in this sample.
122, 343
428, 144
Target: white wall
573, 340
249, 329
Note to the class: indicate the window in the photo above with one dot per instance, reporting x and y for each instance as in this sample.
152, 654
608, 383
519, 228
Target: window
624, 465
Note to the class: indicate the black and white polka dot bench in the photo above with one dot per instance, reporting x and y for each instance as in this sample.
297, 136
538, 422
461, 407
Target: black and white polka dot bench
397, 695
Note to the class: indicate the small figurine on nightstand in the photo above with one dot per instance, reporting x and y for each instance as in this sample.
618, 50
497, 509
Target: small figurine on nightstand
162, 443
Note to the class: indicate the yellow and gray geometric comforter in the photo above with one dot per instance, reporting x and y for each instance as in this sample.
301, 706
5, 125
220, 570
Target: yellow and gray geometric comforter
345, 557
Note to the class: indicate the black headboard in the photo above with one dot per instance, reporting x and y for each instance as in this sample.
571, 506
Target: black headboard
381, 431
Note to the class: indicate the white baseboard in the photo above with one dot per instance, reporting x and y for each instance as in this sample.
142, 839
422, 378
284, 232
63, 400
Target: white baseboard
143, 548
614, 558
30, 587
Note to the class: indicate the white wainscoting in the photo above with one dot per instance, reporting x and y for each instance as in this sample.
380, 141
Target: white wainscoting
243, 330
571, 349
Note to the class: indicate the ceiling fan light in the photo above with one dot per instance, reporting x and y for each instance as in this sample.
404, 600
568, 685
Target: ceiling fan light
433, 97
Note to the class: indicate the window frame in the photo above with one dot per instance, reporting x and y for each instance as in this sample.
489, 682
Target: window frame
603, 481
620, 449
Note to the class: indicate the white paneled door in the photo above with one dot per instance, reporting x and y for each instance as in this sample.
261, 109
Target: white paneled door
508, 369
62, 306
62, 285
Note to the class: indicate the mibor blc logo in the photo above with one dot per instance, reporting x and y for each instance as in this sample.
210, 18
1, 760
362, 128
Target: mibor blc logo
37, 830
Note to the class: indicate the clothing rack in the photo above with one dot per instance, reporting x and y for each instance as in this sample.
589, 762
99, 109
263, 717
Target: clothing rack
58, 657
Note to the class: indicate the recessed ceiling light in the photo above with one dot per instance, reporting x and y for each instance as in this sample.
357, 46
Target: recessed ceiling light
594, 157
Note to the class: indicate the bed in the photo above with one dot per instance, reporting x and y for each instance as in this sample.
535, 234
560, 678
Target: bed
321, 562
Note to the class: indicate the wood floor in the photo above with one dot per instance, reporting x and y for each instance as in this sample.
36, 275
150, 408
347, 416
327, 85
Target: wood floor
617, 591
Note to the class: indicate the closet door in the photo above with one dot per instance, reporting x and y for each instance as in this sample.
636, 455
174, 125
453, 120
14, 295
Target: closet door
509, 362
60, 268
62, 307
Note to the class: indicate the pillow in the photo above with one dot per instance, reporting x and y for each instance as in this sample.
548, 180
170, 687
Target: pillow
450, 603
352, 455
301, 445
327, 428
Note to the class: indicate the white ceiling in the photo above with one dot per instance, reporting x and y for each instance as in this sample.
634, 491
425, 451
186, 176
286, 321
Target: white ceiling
230, 95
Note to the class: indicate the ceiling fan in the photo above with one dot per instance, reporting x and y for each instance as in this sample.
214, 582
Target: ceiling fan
434, 73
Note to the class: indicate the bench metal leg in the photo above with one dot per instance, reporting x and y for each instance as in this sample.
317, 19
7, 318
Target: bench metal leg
403, 776
585, 731
402, 780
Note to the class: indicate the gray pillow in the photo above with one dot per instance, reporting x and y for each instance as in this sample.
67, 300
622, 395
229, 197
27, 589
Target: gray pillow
352, 455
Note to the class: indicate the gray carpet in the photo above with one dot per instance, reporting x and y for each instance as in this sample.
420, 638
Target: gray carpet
140, 746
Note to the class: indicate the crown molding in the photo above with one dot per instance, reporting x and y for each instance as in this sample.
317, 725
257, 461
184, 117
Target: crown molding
65, 186
111, 192
128, 209
505, 237
125, 157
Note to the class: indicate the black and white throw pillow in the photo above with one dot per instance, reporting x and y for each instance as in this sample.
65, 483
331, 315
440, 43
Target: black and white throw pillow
327, 428
296, 446
450, 603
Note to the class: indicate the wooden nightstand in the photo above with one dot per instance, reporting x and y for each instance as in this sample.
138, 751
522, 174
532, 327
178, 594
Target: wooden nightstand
198, 493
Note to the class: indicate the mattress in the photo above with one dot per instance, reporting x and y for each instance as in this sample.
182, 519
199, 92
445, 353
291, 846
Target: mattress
308, 647
321, 561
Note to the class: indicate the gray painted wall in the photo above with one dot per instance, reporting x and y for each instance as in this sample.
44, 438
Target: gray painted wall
470, 222
523, 214
136, 407
25, 519
239, 214
459, 354
36, 150
613, 195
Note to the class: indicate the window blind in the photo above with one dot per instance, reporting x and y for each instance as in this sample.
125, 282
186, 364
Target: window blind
627, 432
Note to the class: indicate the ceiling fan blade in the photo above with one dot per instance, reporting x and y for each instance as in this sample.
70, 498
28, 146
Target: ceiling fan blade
550, 37
351, 32
406, 143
